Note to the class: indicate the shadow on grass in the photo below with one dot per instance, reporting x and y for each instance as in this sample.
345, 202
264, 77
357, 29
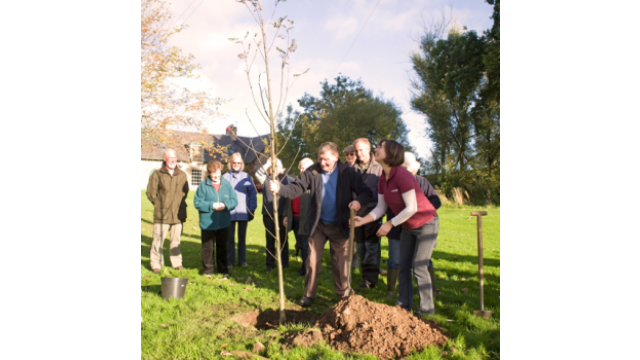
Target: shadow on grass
464, 258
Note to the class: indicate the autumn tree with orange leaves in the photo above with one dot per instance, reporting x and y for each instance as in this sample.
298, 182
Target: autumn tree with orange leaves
165, 106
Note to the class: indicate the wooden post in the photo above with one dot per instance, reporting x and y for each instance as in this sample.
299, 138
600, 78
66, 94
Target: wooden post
482, 313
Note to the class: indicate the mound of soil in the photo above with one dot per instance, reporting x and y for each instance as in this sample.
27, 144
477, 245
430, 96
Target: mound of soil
359, 325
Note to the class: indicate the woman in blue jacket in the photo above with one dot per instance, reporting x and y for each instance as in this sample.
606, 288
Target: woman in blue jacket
214, 199
243, 185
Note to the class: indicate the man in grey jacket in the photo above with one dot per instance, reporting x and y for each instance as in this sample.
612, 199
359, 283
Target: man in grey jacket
367, 242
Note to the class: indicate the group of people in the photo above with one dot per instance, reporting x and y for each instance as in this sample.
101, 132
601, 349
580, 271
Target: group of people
316, 207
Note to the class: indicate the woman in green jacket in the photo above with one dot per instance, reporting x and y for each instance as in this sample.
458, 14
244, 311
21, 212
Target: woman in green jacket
214, 199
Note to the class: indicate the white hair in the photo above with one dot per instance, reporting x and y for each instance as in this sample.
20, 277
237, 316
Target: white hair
239, 156
306, 162
410, 163
166, 151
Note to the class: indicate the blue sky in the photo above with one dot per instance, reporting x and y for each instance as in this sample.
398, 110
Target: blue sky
324, 31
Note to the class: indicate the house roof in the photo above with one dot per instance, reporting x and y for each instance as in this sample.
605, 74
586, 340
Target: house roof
241, 144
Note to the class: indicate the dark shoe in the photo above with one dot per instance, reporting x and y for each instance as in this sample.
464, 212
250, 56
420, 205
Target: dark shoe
423, 314
366, 285
305, 301
268, 270
178, 268
156, 271
244, 265
301, 272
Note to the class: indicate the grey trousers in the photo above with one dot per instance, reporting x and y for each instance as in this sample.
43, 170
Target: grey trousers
416, 247
156, 258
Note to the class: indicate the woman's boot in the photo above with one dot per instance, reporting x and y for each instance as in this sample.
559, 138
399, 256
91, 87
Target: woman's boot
392, 280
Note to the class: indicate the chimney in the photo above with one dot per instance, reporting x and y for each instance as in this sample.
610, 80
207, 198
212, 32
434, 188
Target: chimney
232, 131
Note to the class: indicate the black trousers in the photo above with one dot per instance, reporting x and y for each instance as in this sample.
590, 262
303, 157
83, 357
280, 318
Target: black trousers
271, 243
220, 238
369, 251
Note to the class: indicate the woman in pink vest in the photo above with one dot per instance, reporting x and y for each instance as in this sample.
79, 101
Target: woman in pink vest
399, 190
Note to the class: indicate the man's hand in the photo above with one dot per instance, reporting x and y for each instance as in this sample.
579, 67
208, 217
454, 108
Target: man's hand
384, 229
284, 221
355, 205
274, 186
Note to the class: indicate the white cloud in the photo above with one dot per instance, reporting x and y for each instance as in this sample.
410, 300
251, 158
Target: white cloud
342, 26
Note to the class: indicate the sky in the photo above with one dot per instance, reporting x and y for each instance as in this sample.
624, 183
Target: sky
325, 31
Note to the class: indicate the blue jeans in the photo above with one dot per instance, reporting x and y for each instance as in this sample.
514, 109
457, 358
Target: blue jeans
242, 242
394, 254
416, 247
303, 243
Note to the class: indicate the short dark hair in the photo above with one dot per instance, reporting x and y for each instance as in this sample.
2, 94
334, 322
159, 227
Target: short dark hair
213, 166
395, 152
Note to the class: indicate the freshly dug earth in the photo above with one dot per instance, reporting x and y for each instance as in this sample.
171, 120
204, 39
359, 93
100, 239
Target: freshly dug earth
359, 325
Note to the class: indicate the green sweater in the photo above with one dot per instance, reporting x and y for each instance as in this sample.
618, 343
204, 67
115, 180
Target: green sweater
206, 195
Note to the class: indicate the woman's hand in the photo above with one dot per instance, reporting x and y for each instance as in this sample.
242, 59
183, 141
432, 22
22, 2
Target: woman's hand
218, 206
358, 221
384, 229
284, 221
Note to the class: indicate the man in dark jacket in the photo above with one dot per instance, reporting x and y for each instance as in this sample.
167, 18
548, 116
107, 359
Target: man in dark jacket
367, 242
332, 184
166, 189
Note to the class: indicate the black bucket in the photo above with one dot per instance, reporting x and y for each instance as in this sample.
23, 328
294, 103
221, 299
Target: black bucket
173, 287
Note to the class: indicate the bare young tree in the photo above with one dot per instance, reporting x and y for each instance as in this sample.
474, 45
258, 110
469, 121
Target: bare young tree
272, 34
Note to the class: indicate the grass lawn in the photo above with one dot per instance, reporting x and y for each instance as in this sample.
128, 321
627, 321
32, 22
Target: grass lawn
202, 324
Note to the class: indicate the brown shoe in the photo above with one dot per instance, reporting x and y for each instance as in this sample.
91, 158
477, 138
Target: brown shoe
156, 271
178, 267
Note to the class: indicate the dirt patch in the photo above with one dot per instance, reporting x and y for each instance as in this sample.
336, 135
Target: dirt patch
307, 338
270, 318
248, 318
358, 325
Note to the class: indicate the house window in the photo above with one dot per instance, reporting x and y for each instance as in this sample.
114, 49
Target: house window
196, 177
196, 154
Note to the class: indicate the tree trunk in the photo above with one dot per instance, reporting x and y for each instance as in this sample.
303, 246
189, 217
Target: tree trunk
274, 176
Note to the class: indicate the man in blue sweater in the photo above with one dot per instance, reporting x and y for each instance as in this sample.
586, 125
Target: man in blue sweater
331, 184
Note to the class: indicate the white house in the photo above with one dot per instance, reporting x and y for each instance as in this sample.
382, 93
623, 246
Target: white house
192, 158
